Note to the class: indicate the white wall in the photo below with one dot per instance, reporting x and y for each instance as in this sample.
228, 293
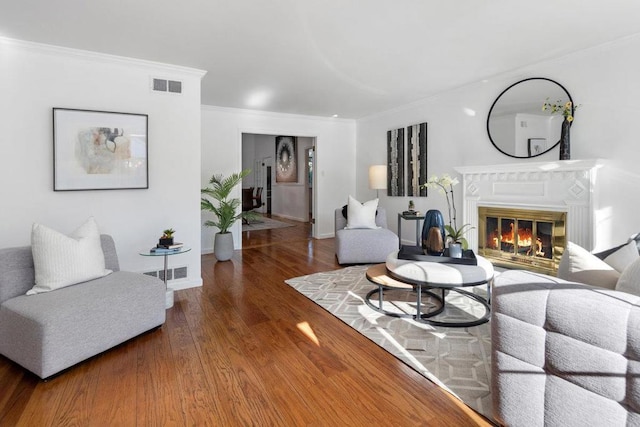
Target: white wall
36, 78
222, 130
603, 80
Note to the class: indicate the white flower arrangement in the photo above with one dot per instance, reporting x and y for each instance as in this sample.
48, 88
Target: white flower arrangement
445, 185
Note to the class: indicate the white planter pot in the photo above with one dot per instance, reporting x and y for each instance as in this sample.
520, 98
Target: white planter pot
223, 246
455, 250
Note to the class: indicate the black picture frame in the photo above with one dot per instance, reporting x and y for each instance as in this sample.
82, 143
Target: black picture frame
536, 146
99, 150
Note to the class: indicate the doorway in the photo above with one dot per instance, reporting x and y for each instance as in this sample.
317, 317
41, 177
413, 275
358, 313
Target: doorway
290, 200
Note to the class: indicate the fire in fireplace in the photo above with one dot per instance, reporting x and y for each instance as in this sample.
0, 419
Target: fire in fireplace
521, 238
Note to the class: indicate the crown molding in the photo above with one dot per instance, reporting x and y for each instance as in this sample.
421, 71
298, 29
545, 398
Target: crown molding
100, 57
275, 114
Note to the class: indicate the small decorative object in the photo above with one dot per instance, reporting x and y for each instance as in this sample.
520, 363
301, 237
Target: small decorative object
457, 241
225, 211
455, 235
412, 206
567, 110
433, 233
167, 237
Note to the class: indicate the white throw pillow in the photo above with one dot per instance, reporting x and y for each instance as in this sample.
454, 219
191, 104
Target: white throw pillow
61, 260
580, 265
629, 280
361, 215
623, 257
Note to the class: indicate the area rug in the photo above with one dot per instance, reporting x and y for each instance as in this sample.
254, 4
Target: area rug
456, 359
264, 223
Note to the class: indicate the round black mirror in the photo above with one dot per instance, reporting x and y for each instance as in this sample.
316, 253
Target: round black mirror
518, 126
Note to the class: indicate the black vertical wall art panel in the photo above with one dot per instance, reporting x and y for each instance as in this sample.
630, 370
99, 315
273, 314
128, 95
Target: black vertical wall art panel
417, 140
395, 162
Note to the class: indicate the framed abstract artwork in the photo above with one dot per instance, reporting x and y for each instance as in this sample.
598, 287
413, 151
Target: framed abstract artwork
99, 150
286, 159
395, 162
417, 153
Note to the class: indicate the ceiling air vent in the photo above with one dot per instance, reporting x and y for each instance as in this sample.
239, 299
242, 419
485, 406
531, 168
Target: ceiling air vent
164, 85
175, 86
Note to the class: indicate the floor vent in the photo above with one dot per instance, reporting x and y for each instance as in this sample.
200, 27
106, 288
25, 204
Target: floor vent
167, 86
172, 273
180, 273
169, 274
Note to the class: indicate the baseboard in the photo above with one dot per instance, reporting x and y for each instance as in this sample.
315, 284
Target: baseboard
180, 284
326, 236
293, 218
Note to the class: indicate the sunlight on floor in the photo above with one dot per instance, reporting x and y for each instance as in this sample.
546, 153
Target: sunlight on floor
306, 329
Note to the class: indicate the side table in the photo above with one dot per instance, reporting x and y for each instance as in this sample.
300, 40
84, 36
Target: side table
166, 254
410, 217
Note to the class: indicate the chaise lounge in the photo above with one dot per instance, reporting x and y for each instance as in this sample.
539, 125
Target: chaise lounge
51, 331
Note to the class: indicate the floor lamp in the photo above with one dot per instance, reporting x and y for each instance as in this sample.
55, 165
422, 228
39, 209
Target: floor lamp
378, 178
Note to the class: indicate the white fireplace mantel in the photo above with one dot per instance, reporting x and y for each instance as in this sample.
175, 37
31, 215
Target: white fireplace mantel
564, 185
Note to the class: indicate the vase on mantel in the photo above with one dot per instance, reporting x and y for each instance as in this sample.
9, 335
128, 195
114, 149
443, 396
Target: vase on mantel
565, 143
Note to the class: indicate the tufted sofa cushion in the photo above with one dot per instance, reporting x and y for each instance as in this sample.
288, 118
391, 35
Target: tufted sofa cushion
564, 353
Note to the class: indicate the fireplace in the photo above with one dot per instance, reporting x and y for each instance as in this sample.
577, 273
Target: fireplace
522, 238
567, 188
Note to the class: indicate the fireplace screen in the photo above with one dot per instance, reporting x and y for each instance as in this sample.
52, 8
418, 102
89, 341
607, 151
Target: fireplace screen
522, 238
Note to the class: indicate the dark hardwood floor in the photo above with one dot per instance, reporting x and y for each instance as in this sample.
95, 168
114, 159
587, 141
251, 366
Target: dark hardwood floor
245, 349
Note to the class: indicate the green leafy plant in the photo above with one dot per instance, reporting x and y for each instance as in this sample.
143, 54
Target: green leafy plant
168, 233
457, 234
226, 208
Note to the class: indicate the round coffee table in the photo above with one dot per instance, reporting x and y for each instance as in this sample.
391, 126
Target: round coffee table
377, 274
424, 276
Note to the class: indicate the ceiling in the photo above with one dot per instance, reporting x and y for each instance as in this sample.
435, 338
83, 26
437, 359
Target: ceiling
345, 57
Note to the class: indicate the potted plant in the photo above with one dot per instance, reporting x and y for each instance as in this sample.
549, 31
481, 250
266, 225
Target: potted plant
457, 240
455, 235
167, 237
226, 211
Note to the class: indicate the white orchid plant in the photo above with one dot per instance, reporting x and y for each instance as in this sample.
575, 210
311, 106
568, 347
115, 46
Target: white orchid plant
444, 185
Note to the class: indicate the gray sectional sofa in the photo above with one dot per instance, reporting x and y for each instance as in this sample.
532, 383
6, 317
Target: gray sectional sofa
49, 332
564, 353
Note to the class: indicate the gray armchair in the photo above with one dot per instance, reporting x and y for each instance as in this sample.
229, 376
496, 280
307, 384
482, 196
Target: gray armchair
364, 246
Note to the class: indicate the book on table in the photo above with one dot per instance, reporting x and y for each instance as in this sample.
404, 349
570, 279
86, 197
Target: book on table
172, 246
158, 250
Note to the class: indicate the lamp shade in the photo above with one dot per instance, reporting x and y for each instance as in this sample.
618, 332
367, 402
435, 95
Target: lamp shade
378, 177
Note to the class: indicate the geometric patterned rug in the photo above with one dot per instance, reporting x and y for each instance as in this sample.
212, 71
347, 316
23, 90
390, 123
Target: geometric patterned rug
456, 359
